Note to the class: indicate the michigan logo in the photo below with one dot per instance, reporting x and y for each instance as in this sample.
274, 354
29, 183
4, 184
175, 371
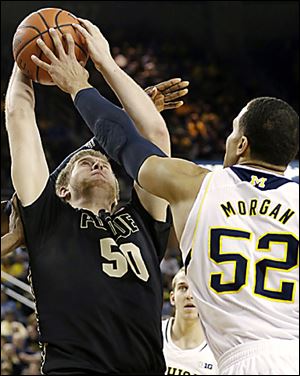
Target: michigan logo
258, 182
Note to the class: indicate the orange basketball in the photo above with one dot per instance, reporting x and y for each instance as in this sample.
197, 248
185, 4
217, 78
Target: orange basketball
36, 25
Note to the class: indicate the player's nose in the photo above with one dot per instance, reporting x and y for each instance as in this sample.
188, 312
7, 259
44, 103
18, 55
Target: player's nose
97, 166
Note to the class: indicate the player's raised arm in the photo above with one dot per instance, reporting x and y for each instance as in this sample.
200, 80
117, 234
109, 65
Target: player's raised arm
29, 166
152, 126
136, 103
132, 96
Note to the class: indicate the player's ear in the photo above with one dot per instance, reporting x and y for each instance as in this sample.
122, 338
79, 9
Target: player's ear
64, 193
172, 298
242, 145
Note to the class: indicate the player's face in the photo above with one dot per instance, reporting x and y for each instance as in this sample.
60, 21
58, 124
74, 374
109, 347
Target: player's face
91, 171
183, 299
233, 142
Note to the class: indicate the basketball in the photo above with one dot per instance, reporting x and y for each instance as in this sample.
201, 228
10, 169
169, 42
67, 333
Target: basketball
37, 25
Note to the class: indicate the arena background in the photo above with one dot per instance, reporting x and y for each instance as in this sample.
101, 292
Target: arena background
230, 51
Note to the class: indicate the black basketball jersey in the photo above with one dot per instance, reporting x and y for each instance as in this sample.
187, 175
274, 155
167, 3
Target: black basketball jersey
97, 284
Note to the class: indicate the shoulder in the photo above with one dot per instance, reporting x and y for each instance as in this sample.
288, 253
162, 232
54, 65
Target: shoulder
165, 322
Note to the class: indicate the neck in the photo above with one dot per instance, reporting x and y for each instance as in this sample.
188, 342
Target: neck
92, 202
187, 334
264, 166
95, 207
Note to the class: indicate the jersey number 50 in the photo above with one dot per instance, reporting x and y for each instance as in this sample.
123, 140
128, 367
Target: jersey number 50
284, 292
118, 265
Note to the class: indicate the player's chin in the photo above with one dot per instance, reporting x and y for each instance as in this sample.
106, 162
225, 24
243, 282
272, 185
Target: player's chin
98, 178
92, 182
100, 181
191, 316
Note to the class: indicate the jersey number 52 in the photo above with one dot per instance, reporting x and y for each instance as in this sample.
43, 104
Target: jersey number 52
285, 290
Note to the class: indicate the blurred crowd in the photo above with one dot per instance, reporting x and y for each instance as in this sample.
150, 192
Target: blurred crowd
20, 352
198, 131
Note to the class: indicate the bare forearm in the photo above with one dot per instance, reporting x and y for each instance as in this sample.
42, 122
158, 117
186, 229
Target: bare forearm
135, 101
20, 94
29, 166
137, 104
9, 243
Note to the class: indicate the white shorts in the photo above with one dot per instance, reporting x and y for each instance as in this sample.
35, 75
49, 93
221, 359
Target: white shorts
264, 357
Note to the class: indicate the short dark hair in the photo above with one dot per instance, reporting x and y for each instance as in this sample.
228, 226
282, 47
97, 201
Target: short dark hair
272, 128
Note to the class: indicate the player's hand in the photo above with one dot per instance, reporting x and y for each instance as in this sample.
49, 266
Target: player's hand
97, 45
65, 70
165, 93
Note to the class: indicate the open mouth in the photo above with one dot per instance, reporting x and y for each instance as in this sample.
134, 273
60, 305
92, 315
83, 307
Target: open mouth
190, 305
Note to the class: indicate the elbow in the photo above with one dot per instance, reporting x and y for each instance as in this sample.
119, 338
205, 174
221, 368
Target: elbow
16, 113
20, 105
161, 138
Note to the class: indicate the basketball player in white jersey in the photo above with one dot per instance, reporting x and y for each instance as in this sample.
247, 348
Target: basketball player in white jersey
238, 227
185, 348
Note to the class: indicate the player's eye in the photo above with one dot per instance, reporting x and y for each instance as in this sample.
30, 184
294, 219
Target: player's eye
84, 163
182, 288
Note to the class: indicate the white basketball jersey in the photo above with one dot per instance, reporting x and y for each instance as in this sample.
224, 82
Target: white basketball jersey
196, 361
240, 246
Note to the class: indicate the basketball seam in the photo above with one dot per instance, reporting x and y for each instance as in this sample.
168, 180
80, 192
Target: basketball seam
47, 26
45, 22
56, 19
40, 35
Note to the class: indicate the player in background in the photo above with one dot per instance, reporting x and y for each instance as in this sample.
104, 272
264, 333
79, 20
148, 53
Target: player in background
238, 227
185, 348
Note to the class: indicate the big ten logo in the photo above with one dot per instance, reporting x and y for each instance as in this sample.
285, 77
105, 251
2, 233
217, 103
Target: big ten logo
206, 365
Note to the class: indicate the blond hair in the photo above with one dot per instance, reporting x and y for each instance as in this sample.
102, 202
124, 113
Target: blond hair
65, 174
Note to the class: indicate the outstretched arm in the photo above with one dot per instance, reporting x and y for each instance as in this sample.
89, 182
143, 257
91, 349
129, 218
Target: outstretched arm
135, 103
29, 166
130, 94
152, 126
164, 95
174, 180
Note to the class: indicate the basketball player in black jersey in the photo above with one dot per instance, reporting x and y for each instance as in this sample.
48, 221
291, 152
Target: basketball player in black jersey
94, 271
